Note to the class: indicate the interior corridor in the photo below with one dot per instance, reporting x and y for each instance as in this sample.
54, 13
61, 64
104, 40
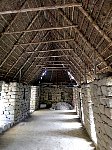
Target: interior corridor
47, 130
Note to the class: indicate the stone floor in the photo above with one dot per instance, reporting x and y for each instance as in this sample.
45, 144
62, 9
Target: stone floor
47, 130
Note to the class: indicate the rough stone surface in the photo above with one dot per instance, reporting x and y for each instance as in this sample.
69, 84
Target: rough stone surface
102, 110
88, 111
54, 94
14, 103
34, 100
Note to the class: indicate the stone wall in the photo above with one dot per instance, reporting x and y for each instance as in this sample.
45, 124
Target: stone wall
35, 96
101, 91
88, 120
77, 100
54, 94
14, 103
94, 106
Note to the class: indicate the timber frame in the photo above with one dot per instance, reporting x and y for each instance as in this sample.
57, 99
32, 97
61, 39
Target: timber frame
55, 35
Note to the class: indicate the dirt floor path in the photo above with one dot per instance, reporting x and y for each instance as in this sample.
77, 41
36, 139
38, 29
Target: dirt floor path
47, 130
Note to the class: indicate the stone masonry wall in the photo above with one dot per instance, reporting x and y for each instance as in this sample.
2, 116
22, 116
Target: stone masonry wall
88, 111
76, 100
101, 91
56, 94
22, 102
15, 103
34, 101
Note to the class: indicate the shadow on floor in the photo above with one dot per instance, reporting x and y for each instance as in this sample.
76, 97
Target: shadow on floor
76, 134
70, 120
67, 113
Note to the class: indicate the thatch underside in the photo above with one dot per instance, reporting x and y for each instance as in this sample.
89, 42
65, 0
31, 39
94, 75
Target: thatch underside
36, 34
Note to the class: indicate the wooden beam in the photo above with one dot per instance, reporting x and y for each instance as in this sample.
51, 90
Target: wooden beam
25, 48
83, 37
55, 67
15, 17
14, 47
75, 54
52, 65
32, 74
40, 8
9, 54
57, 61
41, 29
94, 24
51, 56
28, 58
43, 42
52, 50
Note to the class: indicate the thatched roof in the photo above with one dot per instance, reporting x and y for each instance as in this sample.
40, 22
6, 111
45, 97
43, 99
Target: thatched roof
35, 34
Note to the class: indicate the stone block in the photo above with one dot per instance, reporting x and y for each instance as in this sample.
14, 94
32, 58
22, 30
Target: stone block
106, 120
108, 112
101, 108
4, 127
109, 102
108, 130
104, 90
109, 81
99, 91
103, 100
109, 91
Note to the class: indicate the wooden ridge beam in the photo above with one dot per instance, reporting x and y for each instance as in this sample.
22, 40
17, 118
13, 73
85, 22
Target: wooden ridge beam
44, 42
41, 29
40, 8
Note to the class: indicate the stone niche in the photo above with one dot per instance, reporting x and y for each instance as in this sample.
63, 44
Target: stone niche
54, 94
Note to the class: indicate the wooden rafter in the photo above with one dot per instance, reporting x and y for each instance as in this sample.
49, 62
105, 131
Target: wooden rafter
41, 29
55, 67
45, 42
70, 46
41, 8
52, 50
52, 56
46, 65
102, 33
23, 51
70, 62
33, 74
57, 61
28, 58
14, 18
14, 47
84, 39
74, 66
